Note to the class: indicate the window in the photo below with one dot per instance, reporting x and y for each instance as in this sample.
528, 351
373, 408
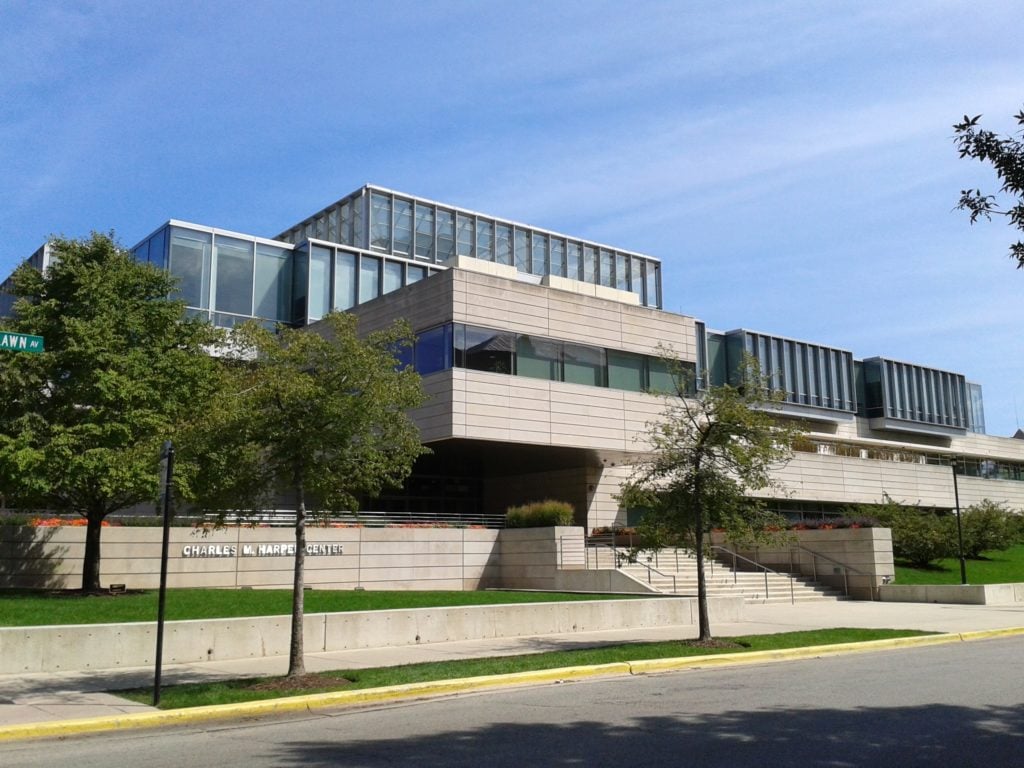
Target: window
414, 274
573, 261
584, 365
538, 358
403, 227
380, 222
522, 250
464, 240
503, 244
319, 282
345, 283
190, 264
234, 275
445, 235
273, 283
625, 371
434, 350
369, 279
539, 264
480, 349
392, 276
424, 231
484, 238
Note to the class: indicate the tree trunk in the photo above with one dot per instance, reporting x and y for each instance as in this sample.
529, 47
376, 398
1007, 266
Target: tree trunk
91, 562
296, 660
703, 623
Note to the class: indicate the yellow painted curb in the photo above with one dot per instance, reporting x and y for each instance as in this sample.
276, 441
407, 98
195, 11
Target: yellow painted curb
309, 702
647, 666
985, 634
316, 701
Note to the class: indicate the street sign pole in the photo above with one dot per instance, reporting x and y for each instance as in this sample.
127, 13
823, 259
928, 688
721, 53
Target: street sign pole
166, 475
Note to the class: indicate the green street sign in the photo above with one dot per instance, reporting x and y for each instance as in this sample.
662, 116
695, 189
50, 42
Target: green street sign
20, 342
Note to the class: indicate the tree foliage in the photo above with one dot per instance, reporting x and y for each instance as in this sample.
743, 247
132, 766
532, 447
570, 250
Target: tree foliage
82, 423
919, 535
708, 452
320, 414
989, 526
1006, 154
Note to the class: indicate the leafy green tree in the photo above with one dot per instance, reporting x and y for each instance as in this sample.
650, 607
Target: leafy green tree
82, 423
319, 413
919, 536
988, 526
1006, 154
707, 453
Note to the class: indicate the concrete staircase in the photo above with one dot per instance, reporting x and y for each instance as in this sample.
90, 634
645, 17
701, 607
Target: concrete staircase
672, 571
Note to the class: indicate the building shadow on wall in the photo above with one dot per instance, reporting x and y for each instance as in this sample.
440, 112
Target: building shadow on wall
28, 560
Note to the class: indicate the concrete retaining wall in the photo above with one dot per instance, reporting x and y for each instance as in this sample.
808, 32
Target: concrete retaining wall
866, 552
961, 594
111, 646
340, 558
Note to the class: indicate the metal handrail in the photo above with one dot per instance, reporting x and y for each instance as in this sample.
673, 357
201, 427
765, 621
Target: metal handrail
619, 556
814, 567
766, 569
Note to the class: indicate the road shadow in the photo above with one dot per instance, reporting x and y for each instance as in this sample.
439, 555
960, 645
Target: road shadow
903, 737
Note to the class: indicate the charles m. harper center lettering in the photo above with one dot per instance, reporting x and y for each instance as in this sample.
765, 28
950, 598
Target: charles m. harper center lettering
257, 550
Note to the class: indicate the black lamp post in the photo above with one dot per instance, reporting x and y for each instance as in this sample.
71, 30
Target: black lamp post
959, 525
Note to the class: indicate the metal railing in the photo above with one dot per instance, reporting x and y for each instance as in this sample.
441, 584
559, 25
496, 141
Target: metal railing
764, 568
846, 569
366, 519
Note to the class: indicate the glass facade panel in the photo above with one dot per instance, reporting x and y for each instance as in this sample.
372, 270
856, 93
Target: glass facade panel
319, 282
403, 227
626, 371
660, 378
522, 250
583, 365
503, 244
392, 276
557, 257
158, 249
589, 264
424, 231
345, 227
434, 350
273, 283
191, 261
358, 224
345, 281
538, 358
539, 263
234, 260
484, 240
414, 274
607, 268
380, 222
369, 279
621, 272
445, 235
572, 261
465, 237
651, 296
480, 349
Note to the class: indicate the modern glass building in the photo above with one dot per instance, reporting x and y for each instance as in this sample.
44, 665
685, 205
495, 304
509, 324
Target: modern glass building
542, 356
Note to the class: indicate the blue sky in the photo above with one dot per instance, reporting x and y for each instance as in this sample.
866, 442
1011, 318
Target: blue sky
790, 162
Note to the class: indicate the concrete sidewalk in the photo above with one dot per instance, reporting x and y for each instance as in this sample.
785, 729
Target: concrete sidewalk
48, 698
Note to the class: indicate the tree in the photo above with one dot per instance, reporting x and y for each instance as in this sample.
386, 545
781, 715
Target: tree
319, 413
1006, 154
707, 452
919, 535
82, 423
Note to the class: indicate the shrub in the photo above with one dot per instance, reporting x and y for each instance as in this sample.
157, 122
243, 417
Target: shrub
988, 525
919, 536
539, 514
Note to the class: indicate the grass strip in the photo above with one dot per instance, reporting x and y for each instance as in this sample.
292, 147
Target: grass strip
999, 567
254, 689
26, 608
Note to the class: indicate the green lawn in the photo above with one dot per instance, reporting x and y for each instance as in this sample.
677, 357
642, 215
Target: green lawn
22, 608
231, 691
999, 567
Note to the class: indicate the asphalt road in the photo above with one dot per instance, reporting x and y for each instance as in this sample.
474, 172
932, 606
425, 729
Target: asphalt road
950, 706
